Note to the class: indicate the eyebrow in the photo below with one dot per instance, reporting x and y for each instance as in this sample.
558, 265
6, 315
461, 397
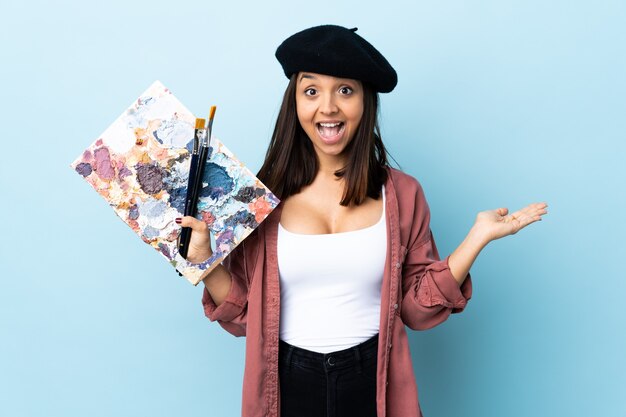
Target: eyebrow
307, 76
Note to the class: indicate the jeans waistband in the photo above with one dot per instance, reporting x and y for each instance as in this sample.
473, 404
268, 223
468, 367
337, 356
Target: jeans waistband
338, 359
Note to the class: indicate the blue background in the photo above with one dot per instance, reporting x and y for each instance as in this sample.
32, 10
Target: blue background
499, 104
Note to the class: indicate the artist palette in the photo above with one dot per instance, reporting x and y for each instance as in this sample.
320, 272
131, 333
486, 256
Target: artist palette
140, 166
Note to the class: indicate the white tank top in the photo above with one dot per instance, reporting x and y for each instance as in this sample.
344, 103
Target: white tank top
330, 286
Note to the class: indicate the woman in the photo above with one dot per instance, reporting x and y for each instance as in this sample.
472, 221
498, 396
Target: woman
325, 286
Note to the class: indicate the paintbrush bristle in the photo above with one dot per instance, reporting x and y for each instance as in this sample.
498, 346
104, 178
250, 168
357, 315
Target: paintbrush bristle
200, 123
212, 112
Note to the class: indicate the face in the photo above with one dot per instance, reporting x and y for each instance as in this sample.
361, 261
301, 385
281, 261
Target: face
329, 110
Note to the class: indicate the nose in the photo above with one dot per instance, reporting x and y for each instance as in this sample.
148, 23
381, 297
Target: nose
328, 105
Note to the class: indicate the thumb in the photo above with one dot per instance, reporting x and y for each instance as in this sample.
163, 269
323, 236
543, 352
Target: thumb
502, 211
189, 221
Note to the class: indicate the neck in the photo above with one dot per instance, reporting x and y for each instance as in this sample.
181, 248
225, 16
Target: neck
330, 164
328, 184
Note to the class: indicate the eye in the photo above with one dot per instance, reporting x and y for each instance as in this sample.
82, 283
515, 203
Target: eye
346, 90
310, 92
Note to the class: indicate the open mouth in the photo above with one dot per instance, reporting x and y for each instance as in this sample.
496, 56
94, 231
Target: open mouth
330, 131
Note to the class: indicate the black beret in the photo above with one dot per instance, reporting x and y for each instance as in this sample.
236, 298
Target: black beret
337, 51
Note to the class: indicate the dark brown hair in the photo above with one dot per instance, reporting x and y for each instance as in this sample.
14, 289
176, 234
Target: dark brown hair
291, 162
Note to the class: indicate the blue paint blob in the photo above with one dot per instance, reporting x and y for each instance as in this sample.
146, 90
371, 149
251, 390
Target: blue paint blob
84, 169
133, 212
152, 208
241, 218
228, 235
219, 182
150, 232
246, 194
177, 198
165, 250
175, 183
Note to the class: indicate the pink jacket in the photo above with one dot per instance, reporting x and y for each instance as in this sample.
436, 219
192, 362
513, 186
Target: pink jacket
418, 291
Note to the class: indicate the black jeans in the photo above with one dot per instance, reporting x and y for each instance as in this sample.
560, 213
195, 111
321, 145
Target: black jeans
336, 384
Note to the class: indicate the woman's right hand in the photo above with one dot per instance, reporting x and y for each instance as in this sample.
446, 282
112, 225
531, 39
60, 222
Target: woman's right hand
200, 242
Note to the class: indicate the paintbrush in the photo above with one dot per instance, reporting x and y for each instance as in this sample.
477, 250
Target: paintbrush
211, 116
197, 184
190, 207
204, 153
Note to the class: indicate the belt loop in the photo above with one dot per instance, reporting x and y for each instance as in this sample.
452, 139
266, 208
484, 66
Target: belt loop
357, 356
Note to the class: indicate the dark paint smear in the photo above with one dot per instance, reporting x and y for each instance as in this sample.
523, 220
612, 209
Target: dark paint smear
84, 169
228, 235
220, 183
243, 218
165, 250
225, 238
133, 212
177, 197
171, 184
124, 172
246, 194
104, 168
175, 161
260, 192
150, 177
157, 137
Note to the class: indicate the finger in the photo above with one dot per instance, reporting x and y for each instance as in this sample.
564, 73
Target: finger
195, 224
535, 211
536, 208
519, 214
526, 214
524, 219
520, 219
502, 211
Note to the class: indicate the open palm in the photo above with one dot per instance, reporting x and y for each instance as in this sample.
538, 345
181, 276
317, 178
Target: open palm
494, 224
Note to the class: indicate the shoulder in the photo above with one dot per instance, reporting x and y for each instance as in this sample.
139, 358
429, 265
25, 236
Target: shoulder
406, 186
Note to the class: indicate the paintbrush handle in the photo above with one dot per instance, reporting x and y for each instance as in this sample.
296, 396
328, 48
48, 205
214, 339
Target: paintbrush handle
193, 192
185, 234
193, 168
190, 205
194, 185
204, 151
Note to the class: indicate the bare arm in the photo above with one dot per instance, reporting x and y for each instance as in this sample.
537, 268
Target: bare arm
218, 284
489, 226
461, 260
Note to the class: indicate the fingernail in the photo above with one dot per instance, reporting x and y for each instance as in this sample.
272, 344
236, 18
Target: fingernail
179, 220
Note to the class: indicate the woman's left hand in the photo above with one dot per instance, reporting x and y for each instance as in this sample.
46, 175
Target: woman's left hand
494, 224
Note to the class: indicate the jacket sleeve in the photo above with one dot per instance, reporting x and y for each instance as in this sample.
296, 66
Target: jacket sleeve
231, 314
429, 291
